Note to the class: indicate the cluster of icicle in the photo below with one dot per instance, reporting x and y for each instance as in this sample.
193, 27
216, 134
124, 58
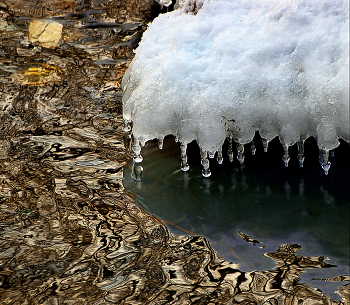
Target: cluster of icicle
240, 151
223, 69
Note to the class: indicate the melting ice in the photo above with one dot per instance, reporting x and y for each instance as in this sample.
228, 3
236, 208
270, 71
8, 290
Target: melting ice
217, 69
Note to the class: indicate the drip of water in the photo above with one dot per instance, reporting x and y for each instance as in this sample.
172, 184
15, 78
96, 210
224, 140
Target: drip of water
126, 126
136, 148
323, 158
301, 156
240, 153
265, 144
184, 164
285, 157
160, 143
205, 164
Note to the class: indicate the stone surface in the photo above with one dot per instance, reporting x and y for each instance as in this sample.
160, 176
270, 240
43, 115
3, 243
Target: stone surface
47, 33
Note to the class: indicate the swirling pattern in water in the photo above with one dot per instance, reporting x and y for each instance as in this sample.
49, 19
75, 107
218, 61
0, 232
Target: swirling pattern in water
69, 232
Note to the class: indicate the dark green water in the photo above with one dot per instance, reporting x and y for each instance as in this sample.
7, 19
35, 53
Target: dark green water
269, 202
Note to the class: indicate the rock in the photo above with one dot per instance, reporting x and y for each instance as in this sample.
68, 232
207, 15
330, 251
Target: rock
46, 32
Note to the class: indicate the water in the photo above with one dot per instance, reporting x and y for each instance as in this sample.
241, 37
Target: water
70, 233
269, 202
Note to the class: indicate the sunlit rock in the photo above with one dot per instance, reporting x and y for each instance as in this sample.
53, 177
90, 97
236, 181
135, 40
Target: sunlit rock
46, 32
213, 70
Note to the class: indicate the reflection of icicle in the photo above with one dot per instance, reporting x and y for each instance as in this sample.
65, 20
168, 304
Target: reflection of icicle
252, 148
219, 156
186, 179
240, 153
287, 189
230, 151
301, 188
138, 169
301, 156
323, 158
285, 157
326, 197
205, 164
265, 144
268, 191
184, 164
126, 126
206, 183
244, 184
160, 143
136, 148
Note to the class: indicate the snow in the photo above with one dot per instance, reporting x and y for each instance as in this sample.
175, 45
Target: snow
214, 69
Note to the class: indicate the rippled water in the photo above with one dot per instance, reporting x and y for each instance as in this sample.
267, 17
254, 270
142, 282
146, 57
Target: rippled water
70, 233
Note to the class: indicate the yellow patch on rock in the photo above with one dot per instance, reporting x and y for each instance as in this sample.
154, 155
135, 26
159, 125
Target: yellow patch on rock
46, 32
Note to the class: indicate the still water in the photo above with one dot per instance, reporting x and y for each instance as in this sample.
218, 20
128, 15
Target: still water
269, 202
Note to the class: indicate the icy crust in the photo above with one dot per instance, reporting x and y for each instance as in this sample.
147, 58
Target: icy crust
232, 67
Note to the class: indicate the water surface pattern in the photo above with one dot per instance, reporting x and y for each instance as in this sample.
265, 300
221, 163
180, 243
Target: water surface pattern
69, 231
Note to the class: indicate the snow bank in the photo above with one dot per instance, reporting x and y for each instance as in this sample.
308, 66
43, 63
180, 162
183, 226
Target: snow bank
226, 68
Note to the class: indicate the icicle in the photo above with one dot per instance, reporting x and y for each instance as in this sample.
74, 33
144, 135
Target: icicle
285, 157
240, 153
211, 154
160, 143
176, 139
137, 172
265, 144
331, 153
230, 151
219, 157
184, 164
252, 148
301, 156
205, 164
136, 148
126, 126
323, 158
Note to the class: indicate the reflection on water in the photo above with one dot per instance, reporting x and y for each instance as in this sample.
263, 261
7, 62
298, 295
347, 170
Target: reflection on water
272, 203
69, 231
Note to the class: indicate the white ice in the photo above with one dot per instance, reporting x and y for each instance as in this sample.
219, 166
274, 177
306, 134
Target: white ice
214, 69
